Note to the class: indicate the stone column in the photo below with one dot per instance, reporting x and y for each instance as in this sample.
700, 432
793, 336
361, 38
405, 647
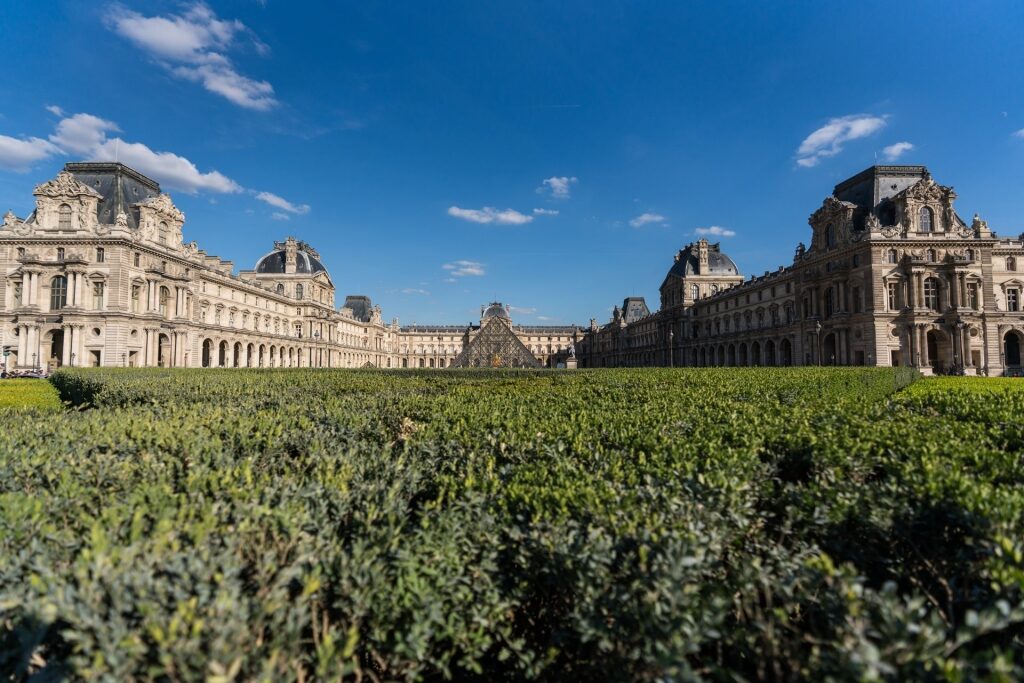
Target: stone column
965, 346
22, 344
923, 341
962, 282
954, 294
65, 354
78, 349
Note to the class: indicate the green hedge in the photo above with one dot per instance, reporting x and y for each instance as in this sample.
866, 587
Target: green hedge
762, 524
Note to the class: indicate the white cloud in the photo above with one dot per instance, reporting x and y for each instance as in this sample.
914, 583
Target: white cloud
462, 268
828, 140
19, 155
558, 186
280, 216
85, 136
82, 133
717, 231
522, 310
193, 45
55, 110
489, 214
545, 212
282, 203
414, 290
895, 151
645, 218
1019, 133
166, 167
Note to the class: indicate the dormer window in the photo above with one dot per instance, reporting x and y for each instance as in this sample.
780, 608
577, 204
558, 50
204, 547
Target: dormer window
64, 217
926, 220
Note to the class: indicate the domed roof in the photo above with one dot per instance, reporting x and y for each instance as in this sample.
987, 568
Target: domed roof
495, 310
304, 263
687, 262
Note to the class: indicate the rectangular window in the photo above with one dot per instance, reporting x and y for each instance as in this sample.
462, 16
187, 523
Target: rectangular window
17, 293
60, 253
1013, 299
97, 295
855, 293
894, 296
138, 260
100, 256
136, 297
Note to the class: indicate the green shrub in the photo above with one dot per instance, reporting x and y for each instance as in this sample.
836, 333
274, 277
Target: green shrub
761, 524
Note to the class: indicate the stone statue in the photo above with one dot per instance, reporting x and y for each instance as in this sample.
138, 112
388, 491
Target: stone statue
122, 220
872, 222
572, 350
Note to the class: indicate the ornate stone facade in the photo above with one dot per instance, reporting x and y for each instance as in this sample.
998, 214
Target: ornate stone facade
893, 276
99, 274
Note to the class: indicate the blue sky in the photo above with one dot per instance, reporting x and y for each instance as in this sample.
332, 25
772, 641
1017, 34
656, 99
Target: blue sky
551, 155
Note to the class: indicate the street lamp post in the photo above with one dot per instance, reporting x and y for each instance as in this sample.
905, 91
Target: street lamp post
817, 338
671, 348
958, 345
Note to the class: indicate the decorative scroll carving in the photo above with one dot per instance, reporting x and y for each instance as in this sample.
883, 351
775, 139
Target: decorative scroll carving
65, 185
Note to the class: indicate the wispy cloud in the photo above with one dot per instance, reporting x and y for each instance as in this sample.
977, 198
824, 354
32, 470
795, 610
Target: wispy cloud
545, 212
489, 214
895, 151
462, 268
1019, 133
282, 203
193, 46
717, 231
415, 290
280, 216
55, 110
558, 186
85, 135
828, 140
645, 218
522, 310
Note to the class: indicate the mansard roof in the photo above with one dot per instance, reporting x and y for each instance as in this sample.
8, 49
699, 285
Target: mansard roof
687, 262
876, 184
119, 186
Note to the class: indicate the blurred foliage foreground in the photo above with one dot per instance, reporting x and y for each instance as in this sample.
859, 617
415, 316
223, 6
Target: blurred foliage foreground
670, 525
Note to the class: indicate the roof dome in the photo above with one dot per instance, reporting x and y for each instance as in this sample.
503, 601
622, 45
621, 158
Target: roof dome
495, 310
304, 263
688, 261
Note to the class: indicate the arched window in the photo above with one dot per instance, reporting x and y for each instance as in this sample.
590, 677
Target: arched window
694, 292
1011, 263
298, 291
163, 232
58, 293
64, 217
892, 256
830, 235
280, 288
925, 220
931, 294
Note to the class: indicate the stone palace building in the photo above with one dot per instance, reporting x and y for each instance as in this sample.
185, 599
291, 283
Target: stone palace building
99, 275
893, 276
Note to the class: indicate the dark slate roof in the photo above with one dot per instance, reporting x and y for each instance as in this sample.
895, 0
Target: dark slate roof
876, 184
120, 186
304, 263
361, 306
634, 308
718, 263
